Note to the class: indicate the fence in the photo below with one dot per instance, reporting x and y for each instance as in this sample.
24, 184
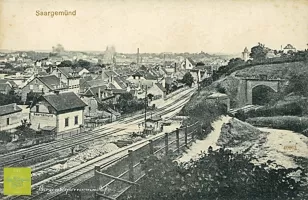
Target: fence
113, 181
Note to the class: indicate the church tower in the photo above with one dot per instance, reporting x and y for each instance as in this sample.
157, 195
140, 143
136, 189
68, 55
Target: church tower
245, 54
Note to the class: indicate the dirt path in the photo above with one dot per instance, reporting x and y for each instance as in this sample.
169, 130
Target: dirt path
203, 145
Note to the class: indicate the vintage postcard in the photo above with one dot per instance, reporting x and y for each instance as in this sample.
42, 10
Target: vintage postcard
154, 100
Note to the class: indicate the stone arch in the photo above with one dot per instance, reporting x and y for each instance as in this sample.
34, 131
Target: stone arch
261, 94
251, 84
273, 87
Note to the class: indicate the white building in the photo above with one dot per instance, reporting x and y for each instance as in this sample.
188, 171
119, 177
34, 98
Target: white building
63, 111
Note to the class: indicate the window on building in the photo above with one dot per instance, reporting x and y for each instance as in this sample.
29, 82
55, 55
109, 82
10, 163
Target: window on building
31, 87
37, 108
66, 122
7, 121
49, 109
76, 120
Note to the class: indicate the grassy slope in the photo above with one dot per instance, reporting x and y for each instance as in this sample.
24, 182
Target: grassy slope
281, 70
230, 83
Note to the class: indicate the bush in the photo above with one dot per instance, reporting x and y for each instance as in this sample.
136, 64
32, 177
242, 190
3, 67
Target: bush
5, 136
292, 109
218, 175
205, 112
292, 123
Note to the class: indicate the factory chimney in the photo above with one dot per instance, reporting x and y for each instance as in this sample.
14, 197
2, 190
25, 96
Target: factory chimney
137, 56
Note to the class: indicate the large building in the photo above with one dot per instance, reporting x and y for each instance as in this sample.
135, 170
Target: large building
63, 111
42, 85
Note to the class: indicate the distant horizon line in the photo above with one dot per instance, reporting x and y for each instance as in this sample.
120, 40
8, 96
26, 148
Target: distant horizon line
99, 51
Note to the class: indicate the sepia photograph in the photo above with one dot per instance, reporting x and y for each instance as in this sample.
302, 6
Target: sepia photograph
154, 100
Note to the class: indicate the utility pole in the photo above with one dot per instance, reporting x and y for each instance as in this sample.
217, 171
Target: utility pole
146, 104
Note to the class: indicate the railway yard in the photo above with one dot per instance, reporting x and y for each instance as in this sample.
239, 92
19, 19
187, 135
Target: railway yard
67, 162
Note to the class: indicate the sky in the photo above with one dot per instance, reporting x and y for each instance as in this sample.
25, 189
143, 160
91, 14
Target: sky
212, 26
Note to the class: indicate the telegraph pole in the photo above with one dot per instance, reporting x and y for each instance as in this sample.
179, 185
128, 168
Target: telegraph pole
145, 105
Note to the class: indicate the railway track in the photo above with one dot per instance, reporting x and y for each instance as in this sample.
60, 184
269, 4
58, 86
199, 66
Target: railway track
67, 143
13, 158
69, 178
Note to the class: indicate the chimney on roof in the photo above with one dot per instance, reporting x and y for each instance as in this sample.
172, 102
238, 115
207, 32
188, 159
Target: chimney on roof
15, 106
137, 56
99, 93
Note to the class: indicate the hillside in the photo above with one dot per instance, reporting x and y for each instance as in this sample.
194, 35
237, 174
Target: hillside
281, 70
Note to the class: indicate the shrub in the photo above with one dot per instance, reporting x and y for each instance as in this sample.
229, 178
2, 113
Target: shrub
217, 175
5, 136
293, 123
293, 108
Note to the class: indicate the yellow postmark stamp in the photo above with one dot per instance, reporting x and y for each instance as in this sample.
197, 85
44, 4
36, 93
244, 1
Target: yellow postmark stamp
17, 181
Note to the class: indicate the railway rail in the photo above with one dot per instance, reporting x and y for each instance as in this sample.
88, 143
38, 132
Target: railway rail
33, 152
69, 176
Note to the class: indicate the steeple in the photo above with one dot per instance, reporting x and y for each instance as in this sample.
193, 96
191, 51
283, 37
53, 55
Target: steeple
245, 54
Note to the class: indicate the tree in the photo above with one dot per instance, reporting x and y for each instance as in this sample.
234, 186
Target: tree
217, 175
259, 52
66, 63
188, 79
298, 84
234, 62
128, 104
83, 63
9, 98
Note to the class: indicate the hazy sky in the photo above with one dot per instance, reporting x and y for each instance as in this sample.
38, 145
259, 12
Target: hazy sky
225, 26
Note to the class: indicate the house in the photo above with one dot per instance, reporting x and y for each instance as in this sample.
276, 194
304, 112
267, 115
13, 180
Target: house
68, 76
187, 64
64, 111
43, 85
143, 79
108, 75
82, 71
10, 116
158, 91
199, 74
289, 49
95, 96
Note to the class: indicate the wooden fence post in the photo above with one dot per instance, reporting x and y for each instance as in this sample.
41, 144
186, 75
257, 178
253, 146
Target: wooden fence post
151, 147
193, 136
177, 132
186, 132
131, 165
96, 179
166, 143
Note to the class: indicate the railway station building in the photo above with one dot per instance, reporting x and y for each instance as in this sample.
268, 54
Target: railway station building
64, 111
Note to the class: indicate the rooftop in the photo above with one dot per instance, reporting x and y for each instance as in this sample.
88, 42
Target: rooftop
51, 81
64, 101
8, 109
